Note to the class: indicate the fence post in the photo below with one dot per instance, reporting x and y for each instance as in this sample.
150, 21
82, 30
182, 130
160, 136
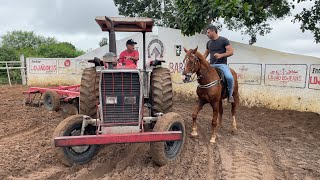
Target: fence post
23, 70
8, 74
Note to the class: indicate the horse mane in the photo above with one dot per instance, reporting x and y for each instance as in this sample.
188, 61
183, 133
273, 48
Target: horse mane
202, 58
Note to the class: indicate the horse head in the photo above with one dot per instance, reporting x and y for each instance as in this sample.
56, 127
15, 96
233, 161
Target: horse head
192, 63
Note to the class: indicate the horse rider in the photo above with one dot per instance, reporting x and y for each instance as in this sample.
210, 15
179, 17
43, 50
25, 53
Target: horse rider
220, 48
130, 56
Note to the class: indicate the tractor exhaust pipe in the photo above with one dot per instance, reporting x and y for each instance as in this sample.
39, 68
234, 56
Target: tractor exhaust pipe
112, 38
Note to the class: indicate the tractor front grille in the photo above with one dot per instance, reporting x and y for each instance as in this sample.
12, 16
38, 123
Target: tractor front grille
120, 98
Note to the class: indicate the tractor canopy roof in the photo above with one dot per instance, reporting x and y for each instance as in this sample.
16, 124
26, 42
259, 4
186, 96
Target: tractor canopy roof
125, 24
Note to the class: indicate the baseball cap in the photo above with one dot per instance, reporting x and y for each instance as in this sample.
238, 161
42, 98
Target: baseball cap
130, 41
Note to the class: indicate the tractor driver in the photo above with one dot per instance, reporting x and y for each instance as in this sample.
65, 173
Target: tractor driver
130, 56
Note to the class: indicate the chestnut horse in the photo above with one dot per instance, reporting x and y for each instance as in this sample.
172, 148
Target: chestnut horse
210, 90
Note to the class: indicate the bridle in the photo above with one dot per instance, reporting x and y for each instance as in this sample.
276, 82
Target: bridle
189, 74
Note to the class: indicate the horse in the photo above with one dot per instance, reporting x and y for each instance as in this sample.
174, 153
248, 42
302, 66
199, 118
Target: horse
211, 89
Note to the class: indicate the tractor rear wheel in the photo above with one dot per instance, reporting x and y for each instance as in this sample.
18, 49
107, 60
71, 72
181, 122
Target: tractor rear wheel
71, 126
51, 100
163, 152
89, 92
161, 91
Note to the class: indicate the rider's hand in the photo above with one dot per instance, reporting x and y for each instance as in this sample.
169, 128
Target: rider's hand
218, 56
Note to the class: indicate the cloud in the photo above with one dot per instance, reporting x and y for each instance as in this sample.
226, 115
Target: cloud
71, 20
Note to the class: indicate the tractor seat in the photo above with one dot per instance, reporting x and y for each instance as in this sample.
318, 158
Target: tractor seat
156, 62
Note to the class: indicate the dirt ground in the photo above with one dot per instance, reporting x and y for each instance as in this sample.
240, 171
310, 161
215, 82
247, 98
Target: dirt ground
270, 144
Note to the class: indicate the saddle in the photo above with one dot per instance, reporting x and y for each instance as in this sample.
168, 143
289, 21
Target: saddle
223, 81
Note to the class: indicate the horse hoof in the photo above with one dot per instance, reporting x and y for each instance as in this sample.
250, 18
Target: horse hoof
213, 140
194, 134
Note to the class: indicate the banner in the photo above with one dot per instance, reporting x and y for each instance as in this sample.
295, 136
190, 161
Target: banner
286, 75
248, 73
43, 66
314, 76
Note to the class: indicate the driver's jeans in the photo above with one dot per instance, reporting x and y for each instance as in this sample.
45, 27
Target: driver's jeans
227, 73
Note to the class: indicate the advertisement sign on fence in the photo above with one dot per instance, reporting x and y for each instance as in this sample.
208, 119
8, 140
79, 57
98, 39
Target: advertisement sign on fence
43, 66
67, 66
286, 75
248, 73
314, 76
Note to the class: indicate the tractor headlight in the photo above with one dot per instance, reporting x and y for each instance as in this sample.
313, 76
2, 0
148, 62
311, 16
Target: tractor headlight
111, 100
130, 100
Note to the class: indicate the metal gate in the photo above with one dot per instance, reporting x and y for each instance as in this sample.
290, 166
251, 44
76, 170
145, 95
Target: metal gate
13, 72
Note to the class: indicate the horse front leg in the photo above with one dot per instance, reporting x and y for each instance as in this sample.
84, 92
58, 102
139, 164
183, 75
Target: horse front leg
197, 109
215, 107
233, 111
220, 113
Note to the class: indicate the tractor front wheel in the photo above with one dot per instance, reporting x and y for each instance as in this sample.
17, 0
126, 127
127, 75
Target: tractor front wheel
51, 100
71, 126
163, 152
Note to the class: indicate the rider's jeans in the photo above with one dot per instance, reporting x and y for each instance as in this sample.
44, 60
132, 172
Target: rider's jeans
227, 73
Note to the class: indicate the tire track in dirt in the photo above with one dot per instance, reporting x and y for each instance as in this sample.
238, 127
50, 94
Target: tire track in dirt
194, 156
22, 133
131, 151
204, 136
53, 172
244, 156
211, 162
298, 163
110, 159
240, 156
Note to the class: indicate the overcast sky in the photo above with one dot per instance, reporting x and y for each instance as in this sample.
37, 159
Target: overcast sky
73, 21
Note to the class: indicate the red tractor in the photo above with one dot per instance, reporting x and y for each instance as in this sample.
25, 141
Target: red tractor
112, 102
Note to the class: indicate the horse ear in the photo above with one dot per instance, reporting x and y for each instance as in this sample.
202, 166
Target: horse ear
195, 50
185, 50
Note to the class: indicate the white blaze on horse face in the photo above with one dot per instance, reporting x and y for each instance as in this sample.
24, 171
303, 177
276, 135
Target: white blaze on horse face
187, 69
185, 61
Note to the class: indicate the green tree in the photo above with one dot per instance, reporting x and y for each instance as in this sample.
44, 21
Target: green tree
8, 54
162, 11
25, 39
103, 42
247, 16
59, 50
310, 19
33, 45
